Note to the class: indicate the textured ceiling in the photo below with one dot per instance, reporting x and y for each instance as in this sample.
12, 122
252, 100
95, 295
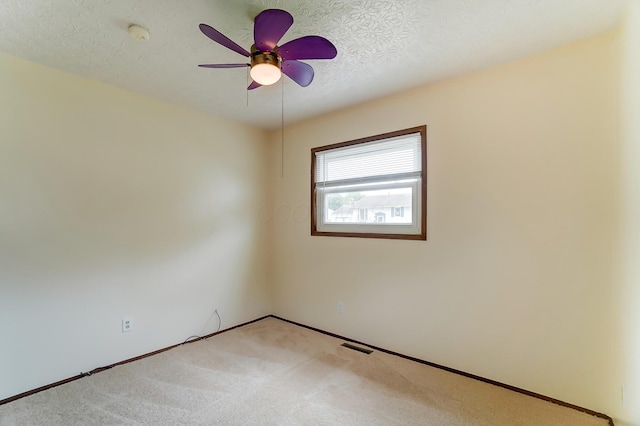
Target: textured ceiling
384, 46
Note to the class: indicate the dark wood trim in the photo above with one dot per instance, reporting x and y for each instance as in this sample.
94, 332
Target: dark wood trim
314, 215
459, 372
416, 129
126, 361
410, 358
423, 188
415, 237
41, 388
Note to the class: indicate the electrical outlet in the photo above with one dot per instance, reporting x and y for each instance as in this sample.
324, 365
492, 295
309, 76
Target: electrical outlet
340, 307
127, 324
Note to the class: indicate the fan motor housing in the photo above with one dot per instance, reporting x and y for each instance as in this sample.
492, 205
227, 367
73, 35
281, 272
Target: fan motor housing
260, 57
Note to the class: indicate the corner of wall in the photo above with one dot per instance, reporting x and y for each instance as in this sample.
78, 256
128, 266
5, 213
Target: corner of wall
627, 279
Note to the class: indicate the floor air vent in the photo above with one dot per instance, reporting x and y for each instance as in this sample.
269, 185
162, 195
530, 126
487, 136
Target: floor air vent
357, 348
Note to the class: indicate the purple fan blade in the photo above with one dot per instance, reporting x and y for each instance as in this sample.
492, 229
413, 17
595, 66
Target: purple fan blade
308, 47
224, 65
222, 39
299, 72
270, 25
254, 85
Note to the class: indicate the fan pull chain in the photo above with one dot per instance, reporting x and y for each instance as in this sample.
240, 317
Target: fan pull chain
282, 131
247, 86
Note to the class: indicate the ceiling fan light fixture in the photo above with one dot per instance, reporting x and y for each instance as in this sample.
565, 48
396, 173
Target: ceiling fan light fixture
265, 67
265, 74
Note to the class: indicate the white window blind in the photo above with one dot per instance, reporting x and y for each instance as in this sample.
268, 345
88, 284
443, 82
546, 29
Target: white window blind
393, 158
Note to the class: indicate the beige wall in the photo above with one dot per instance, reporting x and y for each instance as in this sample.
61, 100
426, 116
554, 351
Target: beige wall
514, 282
115, 204
627, 325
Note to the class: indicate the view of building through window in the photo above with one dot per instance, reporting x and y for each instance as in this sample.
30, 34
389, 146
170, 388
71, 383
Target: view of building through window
373, 206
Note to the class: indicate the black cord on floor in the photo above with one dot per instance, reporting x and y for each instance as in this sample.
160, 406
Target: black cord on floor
96, 370
196, 338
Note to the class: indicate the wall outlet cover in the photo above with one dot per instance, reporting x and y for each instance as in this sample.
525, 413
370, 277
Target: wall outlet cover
127, 324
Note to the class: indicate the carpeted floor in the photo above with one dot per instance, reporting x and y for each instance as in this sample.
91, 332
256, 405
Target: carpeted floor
275, 373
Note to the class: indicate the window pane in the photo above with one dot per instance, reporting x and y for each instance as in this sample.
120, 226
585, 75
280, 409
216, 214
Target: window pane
369, 206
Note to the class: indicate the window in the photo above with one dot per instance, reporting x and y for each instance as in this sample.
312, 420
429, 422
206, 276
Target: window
373, 187
397, 211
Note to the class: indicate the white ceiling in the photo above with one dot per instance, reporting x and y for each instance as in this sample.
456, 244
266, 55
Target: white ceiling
384, 46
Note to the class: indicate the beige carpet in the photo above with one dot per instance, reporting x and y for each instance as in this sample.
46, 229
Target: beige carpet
275, 373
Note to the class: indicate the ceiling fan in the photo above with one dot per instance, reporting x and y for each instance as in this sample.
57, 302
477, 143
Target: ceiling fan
268, 60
